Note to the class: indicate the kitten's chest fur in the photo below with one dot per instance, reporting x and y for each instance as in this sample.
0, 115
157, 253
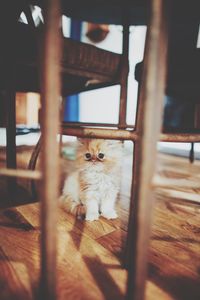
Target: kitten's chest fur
98, 179
100, 182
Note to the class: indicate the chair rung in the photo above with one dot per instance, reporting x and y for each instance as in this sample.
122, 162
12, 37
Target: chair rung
115, 134
123, 134
179, 197
172, 183
86, 124
21, 173
180, 137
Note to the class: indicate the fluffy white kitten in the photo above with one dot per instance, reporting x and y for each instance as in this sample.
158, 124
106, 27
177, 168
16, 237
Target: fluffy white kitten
92, 189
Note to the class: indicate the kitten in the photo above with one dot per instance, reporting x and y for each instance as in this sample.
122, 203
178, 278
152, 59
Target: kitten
92, 189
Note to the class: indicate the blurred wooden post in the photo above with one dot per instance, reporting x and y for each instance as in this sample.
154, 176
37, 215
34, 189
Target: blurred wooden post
50, 87
147, 126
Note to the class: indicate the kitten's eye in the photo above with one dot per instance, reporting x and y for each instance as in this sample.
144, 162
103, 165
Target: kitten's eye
88, 156
101, 155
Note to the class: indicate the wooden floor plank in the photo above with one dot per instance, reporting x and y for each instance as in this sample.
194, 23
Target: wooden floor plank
90, 254
83, 264
14, 278
66, 220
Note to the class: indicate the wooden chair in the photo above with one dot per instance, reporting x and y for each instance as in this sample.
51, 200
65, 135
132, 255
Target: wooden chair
24, 64
144, 135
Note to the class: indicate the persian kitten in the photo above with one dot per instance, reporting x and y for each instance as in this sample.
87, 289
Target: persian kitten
92, 189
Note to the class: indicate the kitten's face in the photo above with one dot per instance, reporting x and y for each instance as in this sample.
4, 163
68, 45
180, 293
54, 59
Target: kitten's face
99, 154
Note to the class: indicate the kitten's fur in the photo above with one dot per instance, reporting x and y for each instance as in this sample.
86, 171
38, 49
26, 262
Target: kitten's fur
95, 183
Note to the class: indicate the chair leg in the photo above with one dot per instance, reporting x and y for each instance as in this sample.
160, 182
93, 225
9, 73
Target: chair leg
191, 155
32, 165
124, 78
11, 138
50, 155
147, 126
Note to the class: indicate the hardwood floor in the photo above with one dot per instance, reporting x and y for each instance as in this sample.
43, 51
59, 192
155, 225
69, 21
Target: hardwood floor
90, 254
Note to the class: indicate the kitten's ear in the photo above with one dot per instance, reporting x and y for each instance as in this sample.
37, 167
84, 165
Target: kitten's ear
80, 141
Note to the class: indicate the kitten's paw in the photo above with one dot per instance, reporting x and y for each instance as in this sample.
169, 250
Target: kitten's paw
92, 216
110, 214
79, 211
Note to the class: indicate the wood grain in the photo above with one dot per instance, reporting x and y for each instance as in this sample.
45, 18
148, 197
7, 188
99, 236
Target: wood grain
90, 255
50, 95
148, 128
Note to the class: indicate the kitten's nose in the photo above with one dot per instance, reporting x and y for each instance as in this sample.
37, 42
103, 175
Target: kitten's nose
93, 158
